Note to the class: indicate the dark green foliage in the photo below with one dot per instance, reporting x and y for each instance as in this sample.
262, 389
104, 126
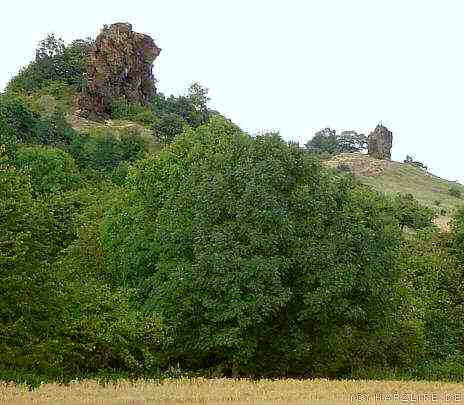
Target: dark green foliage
54, 62
227, 238
20, 124
168, 126
192, 108
434, 277
104, 150
410, 213
324, 141
351, 141
328, 141
457, 227
51, 170
17, 122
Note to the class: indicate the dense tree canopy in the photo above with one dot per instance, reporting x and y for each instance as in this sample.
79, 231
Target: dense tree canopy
227, 239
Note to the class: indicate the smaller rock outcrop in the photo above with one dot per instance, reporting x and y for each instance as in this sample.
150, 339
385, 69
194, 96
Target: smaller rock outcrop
120, 66
379, 143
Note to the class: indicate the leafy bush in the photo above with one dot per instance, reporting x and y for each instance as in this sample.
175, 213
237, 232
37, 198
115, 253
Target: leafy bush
122, 109
20, 124
455, 192
57, 320
228, 239
410, 213
104, 150
50, 169
193, 108
168, 127
17, 122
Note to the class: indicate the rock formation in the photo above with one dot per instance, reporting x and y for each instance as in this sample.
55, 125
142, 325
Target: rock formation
379, 143
120, 66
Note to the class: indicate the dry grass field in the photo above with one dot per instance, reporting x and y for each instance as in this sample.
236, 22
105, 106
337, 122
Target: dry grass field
230, 391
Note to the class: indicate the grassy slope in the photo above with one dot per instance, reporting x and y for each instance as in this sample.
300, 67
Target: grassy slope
395, 177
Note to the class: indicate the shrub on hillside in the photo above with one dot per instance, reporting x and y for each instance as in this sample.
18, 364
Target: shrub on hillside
455, 192
257, 261
18, 123
51, 170
104, 150
410, 213
21, 124
344, 168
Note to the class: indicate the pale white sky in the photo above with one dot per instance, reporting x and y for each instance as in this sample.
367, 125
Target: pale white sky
292, 65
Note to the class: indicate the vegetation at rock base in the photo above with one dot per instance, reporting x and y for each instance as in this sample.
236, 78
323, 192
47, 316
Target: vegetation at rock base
167, 239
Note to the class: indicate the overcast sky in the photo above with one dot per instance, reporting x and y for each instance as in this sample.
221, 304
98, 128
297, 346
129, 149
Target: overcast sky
292, 65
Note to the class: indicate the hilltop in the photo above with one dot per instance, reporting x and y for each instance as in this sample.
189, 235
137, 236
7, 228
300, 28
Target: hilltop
394, 177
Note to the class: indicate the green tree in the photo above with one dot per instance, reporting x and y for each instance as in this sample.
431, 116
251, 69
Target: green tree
410, 160
328, 141
324, 141
351, 141
54, 62
258, 261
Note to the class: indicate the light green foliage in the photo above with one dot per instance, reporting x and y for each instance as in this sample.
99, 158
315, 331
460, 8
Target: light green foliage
57, 320
229, 238
122, 109
51, 169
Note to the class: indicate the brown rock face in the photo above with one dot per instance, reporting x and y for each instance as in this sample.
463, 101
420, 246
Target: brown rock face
379, 143
120, 66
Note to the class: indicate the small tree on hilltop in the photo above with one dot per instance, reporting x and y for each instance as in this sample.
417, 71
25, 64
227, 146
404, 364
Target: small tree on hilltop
328, 141
410, 161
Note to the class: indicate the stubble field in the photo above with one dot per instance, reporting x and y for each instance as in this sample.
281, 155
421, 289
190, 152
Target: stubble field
230, 391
